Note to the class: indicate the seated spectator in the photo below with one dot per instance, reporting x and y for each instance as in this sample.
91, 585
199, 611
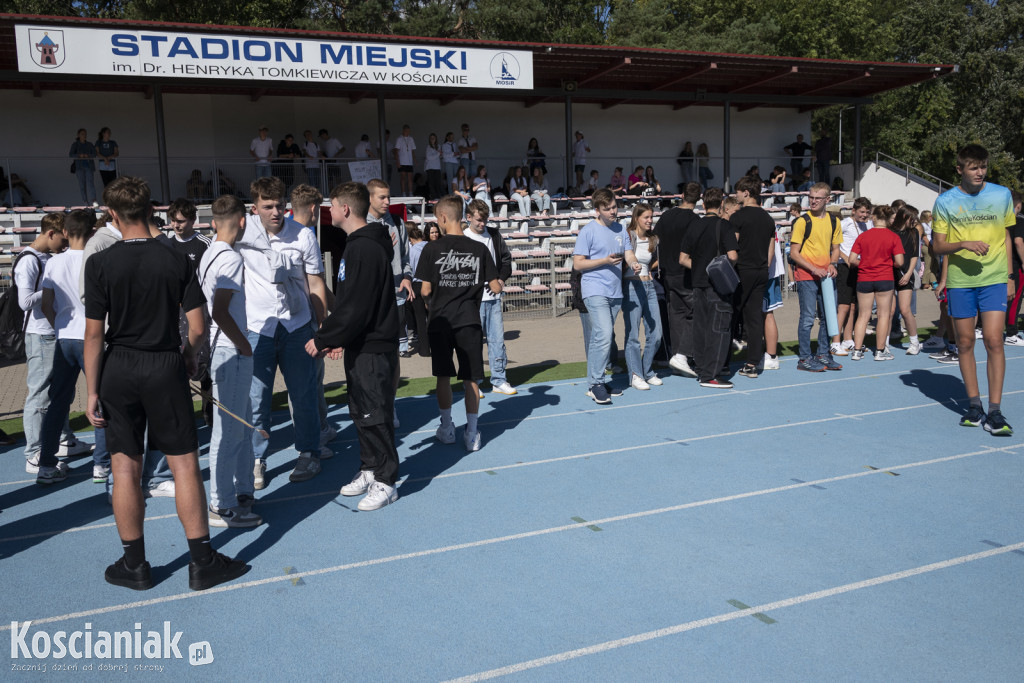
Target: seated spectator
805, 181
777, 180
196, 189
591, 183
617, 184
754, 172
227, 185
461, 186
651, 181
20, 189
637, 184
482, 187
517, 189
539, 191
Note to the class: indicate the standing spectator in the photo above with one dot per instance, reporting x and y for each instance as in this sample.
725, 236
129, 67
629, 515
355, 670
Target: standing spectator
535, 157
814, 249
107, 151
712, 310
491, 320
823, 157
332, 149
482, 187
417, 241
283, 291
455, 290
770, 303
364, 150
467, 149
539, 192
640, 301
685, 162
874, 253
450, 157
671, 228
287, 151
517, 188
580, 150
797, 151
84, 154
232, 485
432, 165
363, 324
846, 277
703, 170
905, 227
601, 247
1013, 337
312, 153
755, 235
261, 149
405, 157
380, 203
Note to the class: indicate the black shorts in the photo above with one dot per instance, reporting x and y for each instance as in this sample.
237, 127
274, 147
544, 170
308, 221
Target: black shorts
874, 286
405, 169
846, 285
466, 342
903, 288
147, 388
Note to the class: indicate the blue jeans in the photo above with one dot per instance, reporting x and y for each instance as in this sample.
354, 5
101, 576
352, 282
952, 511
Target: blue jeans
468, 165
68, 361
86, 182
313, 176
403, 330
262, 170
811, 306
493, 324
640, 304
602, 312
39, 350
450, 170
287, 350
230, 446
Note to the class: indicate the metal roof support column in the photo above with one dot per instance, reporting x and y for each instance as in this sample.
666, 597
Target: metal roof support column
856, 150
726, 144
161, 144
569, 177
384, 175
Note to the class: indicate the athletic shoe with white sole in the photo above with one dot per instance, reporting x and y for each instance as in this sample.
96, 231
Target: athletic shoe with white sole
1014, 340
359, 485
599, 393
838, 349
259, 472
52, 475
73, 448
975, 417
639, 384
164, 489
307, 466
857, 354
612, 391
654, 381
996, 424
235, 518
504, 388
32, 465
716, 383
950, 358
884, 354
914, 348
849, 345
771, 363
378, 496
680, 364
445, 433
100, 474
471, 440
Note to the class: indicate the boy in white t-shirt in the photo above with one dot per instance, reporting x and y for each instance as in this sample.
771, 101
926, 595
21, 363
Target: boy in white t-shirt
232, 486
64, 310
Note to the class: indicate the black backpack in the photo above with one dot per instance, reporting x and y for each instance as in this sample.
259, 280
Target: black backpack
13, 320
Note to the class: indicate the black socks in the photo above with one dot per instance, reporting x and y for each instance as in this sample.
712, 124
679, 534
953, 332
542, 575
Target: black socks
199, 549
134, 552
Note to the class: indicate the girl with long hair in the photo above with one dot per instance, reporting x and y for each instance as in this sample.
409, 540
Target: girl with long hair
640, 301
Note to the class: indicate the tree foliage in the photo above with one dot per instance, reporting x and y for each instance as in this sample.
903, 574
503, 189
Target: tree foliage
923, 124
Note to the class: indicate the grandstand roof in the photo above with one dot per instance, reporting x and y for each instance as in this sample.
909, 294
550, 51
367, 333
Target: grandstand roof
605, 75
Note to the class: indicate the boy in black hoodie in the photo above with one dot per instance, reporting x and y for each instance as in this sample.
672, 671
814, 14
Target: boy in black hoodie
363, 327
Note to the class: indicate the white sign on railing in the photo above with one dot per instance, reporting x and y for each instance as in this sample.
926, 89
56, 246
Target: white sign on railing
169, 54
364, 171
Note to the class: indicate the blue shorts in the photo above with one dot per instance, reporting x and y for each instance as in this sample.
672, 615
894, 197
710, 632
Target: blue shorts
772, 295
967, 302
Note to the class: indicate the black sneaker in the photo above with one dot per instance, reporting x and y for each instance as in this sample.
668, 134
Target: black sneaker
996, 425
612, 391
975, 417
119, 574
220, 569
749, 370
599, 393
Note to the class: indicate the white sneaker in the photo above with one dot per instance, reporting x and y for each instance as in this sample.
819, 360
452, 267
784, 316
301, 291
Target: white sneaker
504, 388
978, 333
326, 452
378, 496
52, 475
679, 363
307, 466
770, 363
164, 489
838, 349
100, 474
640, 384
914, 348
472, 440
259, 471
446, 433
848, 345
328, 435
359, 485
1014, 340
32, 465
654, 381
72, 448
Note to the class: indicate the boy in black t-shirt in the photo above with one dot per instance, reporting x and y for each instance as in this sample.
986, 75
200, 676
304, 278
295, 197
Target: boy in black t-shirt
454, 271
138, 285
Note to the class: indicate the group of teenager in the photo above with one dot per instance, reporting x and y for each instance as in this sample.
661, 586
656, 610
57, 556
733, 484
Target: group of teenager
721, 276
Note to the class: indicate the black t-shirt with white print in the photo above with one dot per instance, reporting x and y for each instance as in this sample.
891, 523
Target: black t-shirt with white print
139, 285
457, 268
194, 247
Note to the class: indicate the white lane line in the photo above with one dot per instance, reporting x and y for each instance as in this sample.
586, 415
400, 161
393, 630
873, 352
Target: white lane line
564, 458
732, 615
490, 541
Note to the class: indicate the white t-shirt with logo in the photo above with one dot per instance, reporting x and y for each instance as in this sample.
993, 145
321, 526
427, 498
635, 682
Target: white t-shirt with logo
222, 268
61, 277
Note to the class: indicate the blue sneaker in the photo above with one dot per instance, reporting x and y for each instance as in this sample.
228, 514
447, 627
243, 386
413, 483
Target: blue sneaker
599, 393
829, 363
810, 364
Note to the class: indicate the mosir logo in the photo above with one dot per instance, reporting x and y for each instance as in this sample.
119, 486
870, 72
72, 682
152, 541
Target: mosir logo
504, 69
103, 645
47, 46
